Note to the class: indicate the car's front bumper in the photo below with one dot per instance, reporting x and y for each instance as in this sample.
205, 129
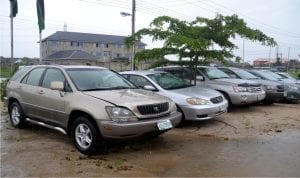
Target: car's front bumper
125, 130
204, 112
245, 98
274, 96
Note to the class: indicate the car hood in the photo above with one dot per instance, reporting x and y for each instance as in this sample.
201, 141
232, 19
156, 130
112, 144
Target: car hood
128, 97
236, 81
266, 82
200, 92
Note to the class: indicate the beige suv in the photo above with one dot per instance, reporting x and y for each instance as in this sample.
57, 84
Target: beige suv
91, 104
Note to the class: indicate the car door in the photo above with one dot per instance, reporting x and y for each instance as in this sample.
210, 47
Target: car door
52, 102
29, 89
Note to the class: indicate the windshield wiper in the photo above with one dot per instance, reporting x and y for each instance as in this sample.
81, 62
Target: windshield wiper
95, 89
120, 88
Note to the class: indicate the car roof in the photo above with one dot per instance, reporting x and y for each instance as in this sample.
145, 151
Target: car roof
142, 72
69, 66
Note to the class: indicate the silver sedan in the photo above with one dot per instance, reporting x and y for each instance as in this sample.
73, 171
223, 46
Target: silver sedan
196, 103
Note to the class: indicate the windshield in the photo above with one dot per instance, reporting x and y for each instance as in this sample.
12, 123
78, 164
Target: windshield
244, 74
213, 73
92, 79
265, 75
168, 81
278, 77
286, 76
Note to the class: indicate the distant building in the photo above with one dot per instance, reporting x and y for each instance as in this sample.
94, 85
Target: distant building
103, 47
71, 57
268, 61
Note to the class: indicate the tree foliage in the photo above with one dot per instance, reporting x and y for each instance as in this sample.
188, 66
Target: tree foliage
201, 40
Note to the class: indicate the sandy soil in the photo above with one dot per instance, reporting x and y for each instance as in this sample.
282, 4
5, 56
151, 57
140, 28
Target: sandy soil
195, 149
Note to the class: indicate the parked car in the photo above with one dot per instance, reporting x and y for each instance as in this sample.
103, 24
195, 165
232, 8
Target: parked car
195, 103
288, 77
274, 90
236, 91
292, 91
92, 104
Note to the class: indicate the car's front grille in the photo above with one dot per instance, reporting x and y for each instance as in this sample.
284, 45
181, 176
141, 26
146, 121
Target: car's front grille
254, 89
216, 100
153, 108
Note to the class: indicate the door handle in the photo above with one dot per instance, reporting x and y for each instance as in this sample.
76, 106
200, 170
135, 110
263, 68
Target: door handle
19, 87
41, 92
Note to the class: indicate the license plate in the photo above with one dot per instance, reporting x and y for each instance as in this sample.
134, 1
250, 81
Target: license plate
259, 97
164, 125
285, 94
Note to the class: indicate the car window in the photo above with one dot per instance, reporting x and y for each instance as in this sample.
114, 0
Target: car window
169, 81
52, 75
20, 72
229, 72
139, 81
92, 79
34, 77
213, 73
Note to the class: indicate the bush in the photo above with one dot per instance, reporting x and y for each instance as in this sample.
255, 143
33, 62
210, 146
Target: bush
3, 89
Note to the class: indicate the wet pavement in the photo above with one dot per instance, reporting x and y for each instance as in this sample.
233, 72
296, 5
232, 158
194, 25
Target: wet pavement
255, 142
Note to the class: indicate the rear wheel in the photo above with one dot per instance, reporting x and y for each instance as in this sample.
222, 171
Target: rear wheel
86, 136
17, 116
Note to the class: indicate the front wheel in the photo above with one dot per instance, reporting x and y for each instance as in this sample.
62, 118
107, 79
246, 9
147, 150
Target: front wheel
86, 137
17, 116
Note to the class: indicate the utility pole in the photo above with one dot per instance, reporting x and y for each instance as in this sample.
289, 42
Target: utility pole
132, 32
243, 52
11, 37
288, 62
270, 57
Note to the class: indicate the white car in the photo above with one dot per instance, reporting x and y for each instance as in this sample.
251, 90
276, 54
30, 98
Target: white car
195, 103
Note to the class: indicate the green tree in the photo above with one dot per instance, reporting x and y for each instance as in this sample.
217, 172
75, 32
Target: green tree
201, 40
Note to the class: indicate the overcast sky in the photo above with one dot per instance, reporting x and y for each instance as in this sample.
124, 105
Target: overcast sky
279, 19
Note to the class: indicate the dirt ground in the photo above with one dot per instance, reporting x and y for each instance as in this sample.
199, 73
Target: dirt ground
249, 141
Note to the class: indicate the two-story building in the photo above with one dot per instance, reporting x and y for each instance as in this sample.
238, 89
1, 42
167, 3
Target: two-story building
103, 47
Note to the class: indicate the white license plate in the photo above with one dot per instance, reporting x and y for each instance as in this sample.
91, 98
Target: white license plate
164, 125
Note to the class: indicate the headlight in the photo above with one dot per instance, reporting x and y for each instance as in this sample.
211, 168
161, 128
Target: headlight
271, 87
197, 101
239, 89
120, 114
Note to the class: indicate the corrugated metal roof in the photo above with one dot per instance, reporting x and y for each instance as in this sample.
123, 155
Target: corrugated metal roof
71, 54
86, 37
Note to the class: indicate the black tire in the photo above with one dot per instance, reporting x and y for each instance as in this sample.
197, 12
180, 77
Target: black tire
86, 137
267, 102
182, 121
17, 116
229, 108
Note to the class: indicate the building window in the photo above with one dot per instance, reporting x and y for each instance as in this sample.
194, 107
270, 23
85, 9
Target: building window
71, 43
98, 54
118, 55
53, 43
106, 45
77, 43
97, 45
81, 44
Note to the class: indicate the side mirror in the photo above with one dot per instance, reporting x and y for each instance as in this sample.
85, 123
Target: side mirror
57, 85
199, 77
149, 87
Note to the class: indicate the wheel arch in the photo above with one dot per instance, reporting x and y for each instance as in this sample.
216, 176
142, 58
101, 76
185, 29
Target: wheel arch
77, 113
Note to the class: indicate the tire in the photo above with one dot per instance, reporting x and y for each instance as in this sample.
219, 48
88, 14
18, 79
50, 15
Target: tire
17, 116
229, 108
86, 137
182, 118
267, 102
